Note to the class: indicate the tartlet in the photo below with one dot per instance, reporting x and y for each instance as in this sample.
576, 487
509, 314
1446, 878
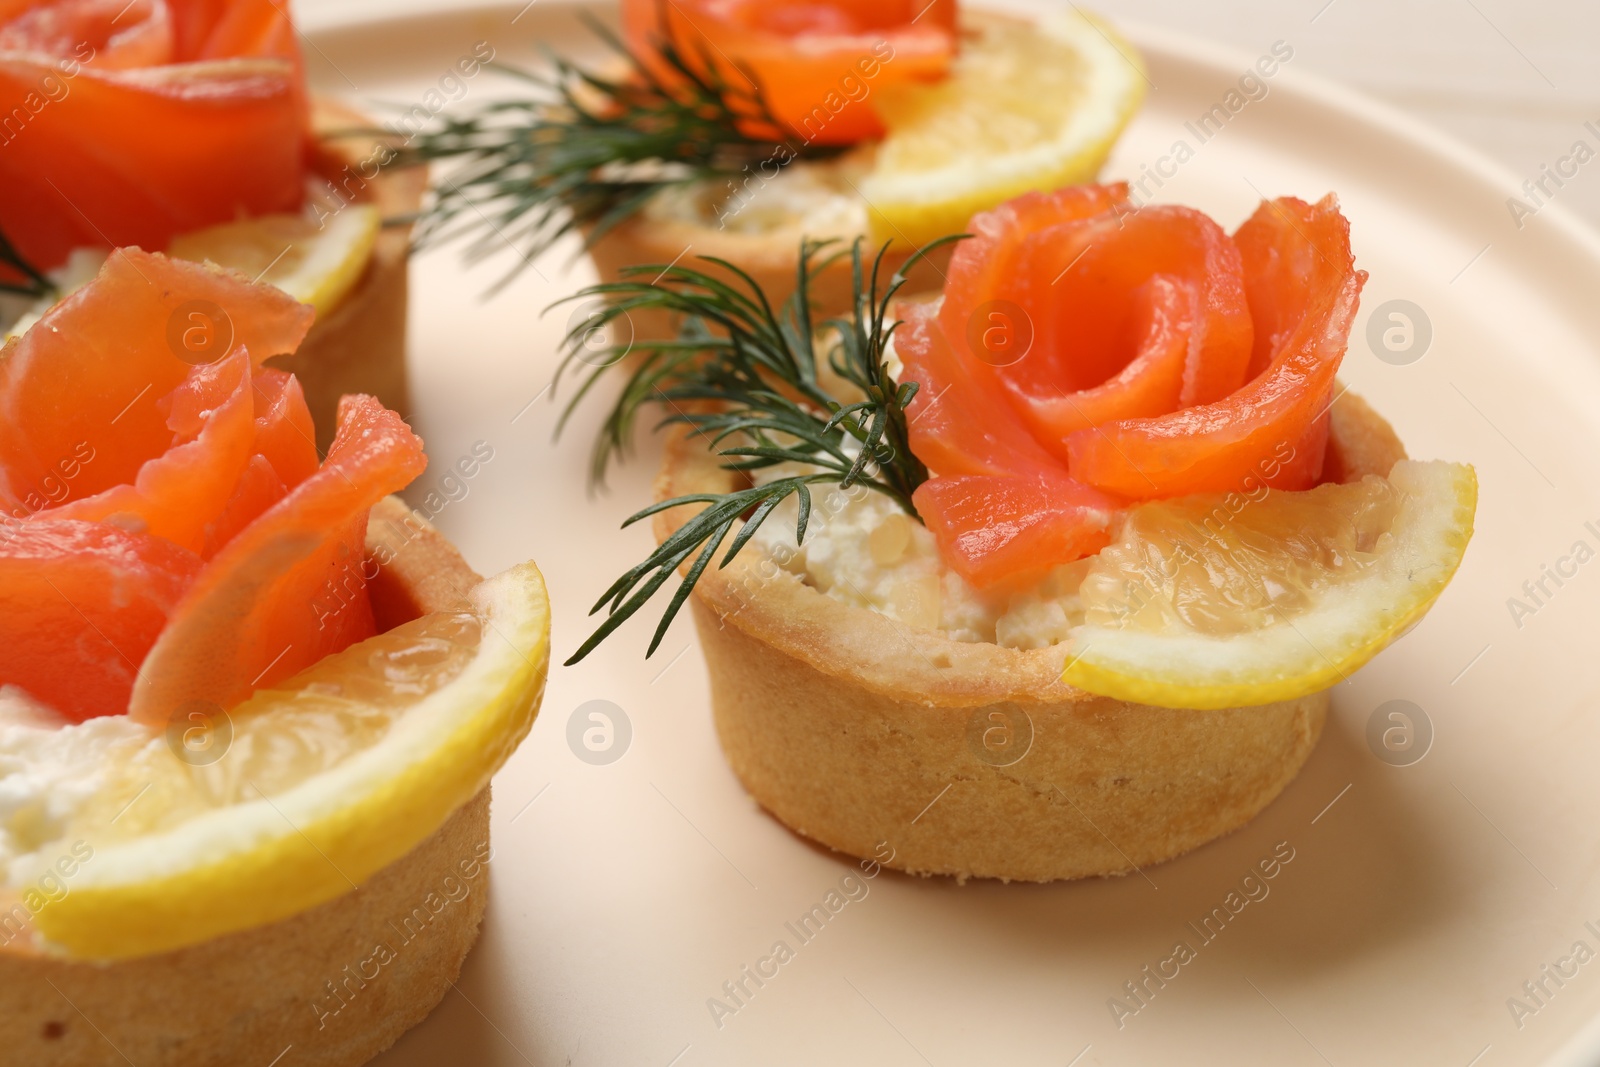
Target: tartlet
847, 724
250, 703
732, 129
1048, 574
268, 988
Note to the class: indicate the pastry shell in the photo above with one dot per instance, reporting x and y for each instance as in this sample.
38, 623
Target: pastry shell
969, 759
305, 981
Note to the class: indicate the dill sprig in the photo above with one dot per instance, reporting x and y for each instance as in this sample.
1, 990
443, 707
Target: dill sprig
746, 378
586, 150
19, 276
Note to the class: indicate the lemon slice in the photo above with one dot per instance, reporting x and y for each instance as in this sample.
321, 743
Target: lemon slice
1026, 106
310, 789
1218, 601
316, 263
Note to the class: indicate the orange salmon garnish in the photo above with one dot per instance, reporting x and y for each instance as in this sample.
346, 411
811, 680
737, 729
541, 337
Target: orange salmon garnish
129, 123
103, 592
817, 64
1111, 354
252, 617
166, 519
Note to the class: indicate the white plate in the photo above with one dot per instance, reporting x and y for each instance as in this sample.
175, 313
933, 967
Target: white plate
1419, 899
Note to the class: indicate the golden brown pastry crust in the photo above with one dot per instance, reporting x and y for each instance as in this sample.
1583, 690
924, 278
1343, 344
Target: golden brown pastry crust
847, 724
314, 981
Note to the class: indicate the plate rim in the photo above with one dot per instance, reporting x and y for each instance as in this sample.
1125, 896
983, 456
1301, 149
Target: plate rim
1309, 88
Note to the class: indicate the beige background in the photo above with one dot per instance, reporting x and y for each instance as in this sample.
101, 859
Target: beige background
1515, 80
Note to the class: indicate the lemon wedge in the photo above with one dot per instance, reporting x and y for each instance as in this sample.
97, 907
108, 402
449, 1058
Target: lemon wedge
312, 787
1220, 601
316, 263
1026, 106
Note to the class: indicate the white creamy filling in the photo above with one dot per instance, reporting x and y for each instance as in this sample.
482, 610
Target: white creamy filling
818, 198
49, 769
862, 549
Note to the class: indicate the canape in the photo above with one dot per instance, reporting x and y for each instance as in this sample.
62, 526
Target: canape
209, 146
732, 129
1095, 530
249, 704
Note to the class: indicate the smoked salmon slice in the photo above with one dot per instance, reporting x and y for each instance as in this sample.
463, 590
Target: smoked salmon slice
285, 437
257, 489
816, 63
224, 29
171, 536
997, 530
290, 588
285, 455
1000, 506
81, 604
101, 371
1304, 290
176, 495
1132, 313
129, 123
989, 265
959, 420
1086, 355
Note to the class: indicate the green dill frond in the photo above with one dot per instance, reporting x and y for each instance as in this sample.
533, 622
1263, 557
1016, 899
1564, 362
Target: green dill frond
745, 376
19, 276
585, 150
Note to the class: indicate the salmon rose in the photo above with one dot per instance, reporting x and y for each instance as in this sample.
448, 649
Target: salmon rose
128, 123
1087, 354
166, 530
816, 64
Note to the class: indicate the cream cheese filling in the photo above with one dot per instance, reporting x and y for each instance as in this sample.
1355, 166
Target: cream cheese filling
49, 768
862, 549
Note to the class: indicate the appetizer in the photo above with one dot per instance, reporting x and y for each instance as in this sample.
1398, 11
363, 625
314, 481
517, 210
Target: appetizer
1076, 547
187, 127
734, 128
237, 685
